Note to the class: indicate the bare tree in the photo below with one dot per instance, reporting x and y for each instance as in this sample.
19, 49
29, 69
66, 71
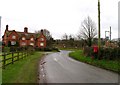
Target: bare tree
78, 36
47, 34
65, 37
88, 30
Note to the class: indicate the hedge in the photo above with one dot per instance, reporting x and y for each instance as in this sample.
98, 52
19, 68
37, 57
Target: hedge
104, 53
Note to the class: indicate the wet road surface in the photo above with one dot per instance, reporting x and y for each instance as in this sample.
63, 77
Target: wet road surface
59, 68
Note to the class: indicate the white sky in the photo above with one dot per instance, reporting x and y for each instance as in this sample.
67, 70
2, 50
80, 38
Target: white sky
58, 16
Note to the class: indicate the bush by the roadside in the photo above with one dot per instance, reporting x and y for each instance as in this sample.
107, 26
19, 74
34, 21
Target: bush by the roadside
55, 49
88, 51
104, 53
6, 49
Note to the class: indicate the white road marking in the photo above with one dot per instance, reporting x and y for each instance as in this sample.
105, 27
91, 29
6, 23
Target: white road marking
43, 75
41, 69
55, 59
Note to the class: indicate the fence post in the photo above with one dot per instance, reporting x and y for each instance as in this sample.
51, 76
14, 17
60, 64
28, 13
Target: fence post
18, 56
12, 57
4, 60
25, 54
22, 54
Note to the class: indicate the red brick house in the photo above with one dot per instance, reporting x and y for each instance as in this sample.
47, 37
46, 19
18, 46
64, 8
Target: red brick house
24, 38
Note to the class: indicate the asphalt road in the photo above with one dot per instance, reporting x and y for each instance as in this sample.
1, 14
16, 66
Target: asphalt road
59, 68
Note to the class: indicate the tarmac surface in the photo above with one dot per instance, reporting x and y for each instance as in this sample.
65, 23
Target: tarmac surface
60, 68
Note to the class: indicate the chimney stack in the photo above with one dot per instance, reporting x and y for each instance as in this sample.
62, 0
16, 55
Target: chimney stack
6, 27
25, 30
42, 31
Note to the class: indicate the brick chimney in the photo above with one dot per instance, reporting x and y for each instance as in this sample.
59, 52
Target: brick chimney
6, 27
42, 31
25, 30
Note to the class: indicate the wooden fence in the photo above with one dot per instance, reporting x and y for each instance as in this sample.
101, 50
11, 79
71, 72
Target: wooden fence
10, 58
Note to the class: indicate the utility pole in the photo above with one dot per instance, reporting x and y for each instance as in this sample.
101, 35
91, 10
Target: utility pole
99, 40
110, 33
0, 49
0, 28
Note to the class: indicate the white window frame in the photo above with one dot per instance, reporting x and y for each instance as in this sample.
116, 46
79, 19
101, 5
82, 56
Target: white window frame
13, 37
42, 39
32, 39
32, 44
13, 42
23, 38
42, 44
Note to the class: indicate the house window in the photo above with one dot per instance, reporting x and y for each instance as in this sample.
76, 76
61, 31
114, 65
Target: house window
32, 39
23, 43
23, 38
13, 42
42, 39
41, 44
32, 44
13, 37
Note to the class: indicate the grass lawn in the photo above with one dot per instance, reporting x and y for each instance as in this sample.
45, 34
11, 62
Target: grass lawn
23, 71
69, 49
106, 64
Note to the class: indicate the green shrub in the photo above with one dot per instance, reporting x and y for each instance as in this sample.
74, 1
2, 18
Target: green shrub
104, 53
9, 43
55, 49
6, 49
88, 51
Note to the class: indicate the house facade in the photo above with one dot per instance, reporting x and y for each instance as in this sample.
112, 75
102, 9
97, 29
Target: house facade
25, 38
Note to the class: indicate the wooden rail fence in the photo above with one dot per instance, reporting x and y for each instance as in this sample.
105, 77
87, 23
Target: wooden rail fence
10, 58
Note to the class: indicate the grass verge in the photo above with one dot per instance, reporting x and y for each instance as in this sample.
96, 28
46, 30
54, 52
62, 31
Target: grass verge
23, 71
106, 64
69, 49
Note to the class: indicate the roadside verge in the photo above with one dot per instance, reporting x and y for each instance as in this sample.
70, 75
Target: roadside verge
23, 71
105, 64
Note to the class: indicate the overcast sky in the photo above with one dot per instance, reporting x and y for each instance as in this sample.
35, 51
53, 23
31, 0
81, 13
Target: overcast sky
58, 16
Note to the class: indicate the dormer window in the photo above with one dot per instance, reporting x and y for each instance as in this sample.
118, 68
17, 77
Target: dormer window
23, 38
13, 37
42, 39
31, 39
